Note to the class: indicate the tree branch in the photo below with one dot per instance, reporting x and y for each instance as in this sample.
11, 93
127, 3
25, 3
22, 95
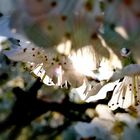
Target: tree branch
28, 107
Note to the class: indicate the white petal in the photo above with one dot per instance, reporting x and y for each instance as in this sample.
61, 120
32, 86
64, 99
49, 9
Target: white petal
130, 70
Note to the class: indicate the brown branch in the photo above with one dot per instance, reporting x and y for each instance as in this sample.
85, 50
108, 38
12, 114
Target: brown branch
28, 107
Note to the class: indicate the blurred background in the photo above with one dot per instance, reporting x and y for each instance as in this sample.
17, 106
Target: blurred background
93, 33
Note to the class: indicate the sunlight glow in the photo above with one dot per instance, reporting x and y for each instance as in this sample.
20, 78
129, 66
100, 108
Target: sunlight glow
65, 47
122, 32
105, 70
84, 60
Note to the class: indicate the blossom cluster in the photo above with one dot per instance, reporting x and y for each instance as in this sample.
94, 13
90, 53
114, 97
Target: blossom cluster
91, 45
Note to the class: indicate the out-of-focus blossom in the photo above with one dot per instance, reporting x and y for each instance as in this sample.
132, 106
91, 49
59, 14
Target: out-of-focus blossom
124, 13
130, 70
94, 130
75, 22
58, 67
121, 28
8, 34
109, 126
56, 21
7, 7
131, 126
